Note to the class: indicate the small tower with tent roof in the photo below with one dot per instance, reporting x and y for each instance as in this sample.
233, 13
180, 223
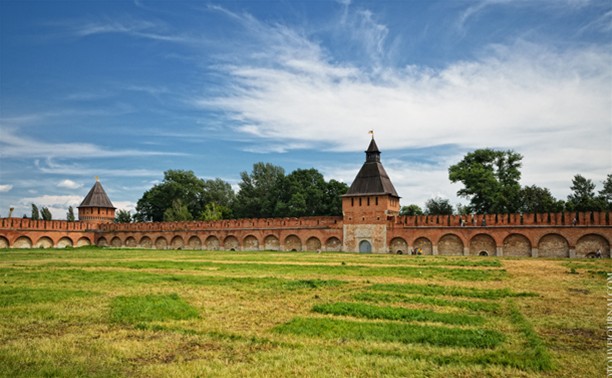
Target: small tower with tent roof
97, 207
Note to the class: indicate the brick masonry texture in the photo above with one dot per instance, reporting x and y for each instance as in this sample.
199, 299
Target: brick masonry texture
537, 235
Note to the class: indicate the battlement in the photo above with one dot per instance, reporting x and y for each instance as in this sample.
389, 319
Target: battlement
470, 220
44, 225
517, 220
256, 223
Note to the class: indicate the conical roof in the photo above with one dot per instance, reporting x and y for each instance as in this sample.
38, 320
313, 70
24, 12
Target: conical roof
97, 197
372, 178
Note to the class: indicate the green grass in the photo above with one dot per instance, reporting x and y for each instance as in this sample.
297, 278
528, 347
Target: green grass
20, 296
452, 291
360, 310
535, 353
392, 332
123, 278
427, 300
155, 313
149, 308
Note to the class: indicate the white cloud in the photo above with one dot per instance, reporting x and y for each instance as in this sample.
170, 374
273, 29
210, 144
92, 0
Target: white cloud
57, 205
551, 105
125, 205
5, 188
69, 184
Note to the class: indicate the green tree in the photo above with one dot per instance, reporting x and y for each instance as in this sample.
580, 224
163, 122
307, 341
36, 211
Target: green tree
461, 209
193, 192
35, 213
212, 211
332, 200
123, 216
178, 212
490, 180
70, 214
221, 194
438, 206
411, 210
582, 197
45, 213
259, 192
605, 194
539, 200
305, 193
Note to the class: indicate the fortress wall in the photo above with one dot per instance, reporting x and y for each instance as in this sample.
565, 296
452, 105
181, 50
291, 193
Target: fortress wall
530, 240
537, 235
239, 239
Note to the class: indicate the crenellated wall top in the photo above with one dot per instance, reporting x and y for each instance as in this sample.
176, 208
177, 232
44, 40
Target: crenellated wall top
497, 220
44, 225
256, 223
471, 220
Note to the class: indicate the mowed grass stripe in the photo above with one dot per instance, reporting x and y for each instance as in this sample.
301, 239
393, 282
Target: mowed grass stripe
535, 354
433, 301
453, 291
147, 308
391, 332
361, 310
126, 278
16, 296
459, 274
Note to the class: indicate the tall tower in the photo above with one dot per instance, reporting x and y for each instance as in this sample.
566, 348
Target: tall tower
96, 207
367, 204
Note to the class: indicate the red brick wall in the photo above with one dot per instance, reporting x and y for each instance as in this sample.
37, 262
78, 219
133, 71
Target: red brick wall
552, 235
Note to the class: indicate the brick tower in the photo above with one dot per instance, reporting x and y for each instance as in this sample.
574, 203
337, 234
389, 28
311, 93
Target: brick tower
97, 207
370, 200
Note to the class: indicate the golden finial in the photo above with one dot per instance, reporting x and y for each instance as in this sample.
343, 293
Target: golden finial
97, 178
371, 132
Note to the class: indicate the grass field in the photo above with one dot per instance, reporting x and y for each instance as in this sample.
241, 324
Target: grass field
148, 313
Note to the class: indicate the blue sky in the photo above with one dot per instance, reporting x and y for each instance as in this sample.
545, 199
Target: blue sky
125, 90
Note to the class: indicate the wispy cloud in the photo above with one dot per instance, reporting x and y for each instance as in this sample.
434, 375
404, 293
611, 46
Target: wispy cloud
5, 188
602, 24
14, 145
50, 166
481, 6
147, 29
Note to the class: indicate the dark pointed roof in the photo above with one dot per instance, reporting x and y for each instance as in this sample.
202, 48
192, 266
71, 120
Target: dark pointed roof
372, 178
97, 197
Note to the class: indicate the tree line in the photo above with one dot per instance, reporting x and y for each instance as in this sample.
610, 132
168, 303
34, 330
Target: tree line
490, 181
45, 214
265, 192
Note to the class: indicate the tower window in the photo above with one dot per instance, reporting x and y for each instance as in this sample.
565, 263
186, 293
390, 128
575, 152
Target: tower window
360, 202
376, 200
368, 201
352, 202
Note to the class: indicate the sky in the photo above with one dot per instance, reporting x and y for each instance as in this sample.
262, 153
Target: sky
126, 90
